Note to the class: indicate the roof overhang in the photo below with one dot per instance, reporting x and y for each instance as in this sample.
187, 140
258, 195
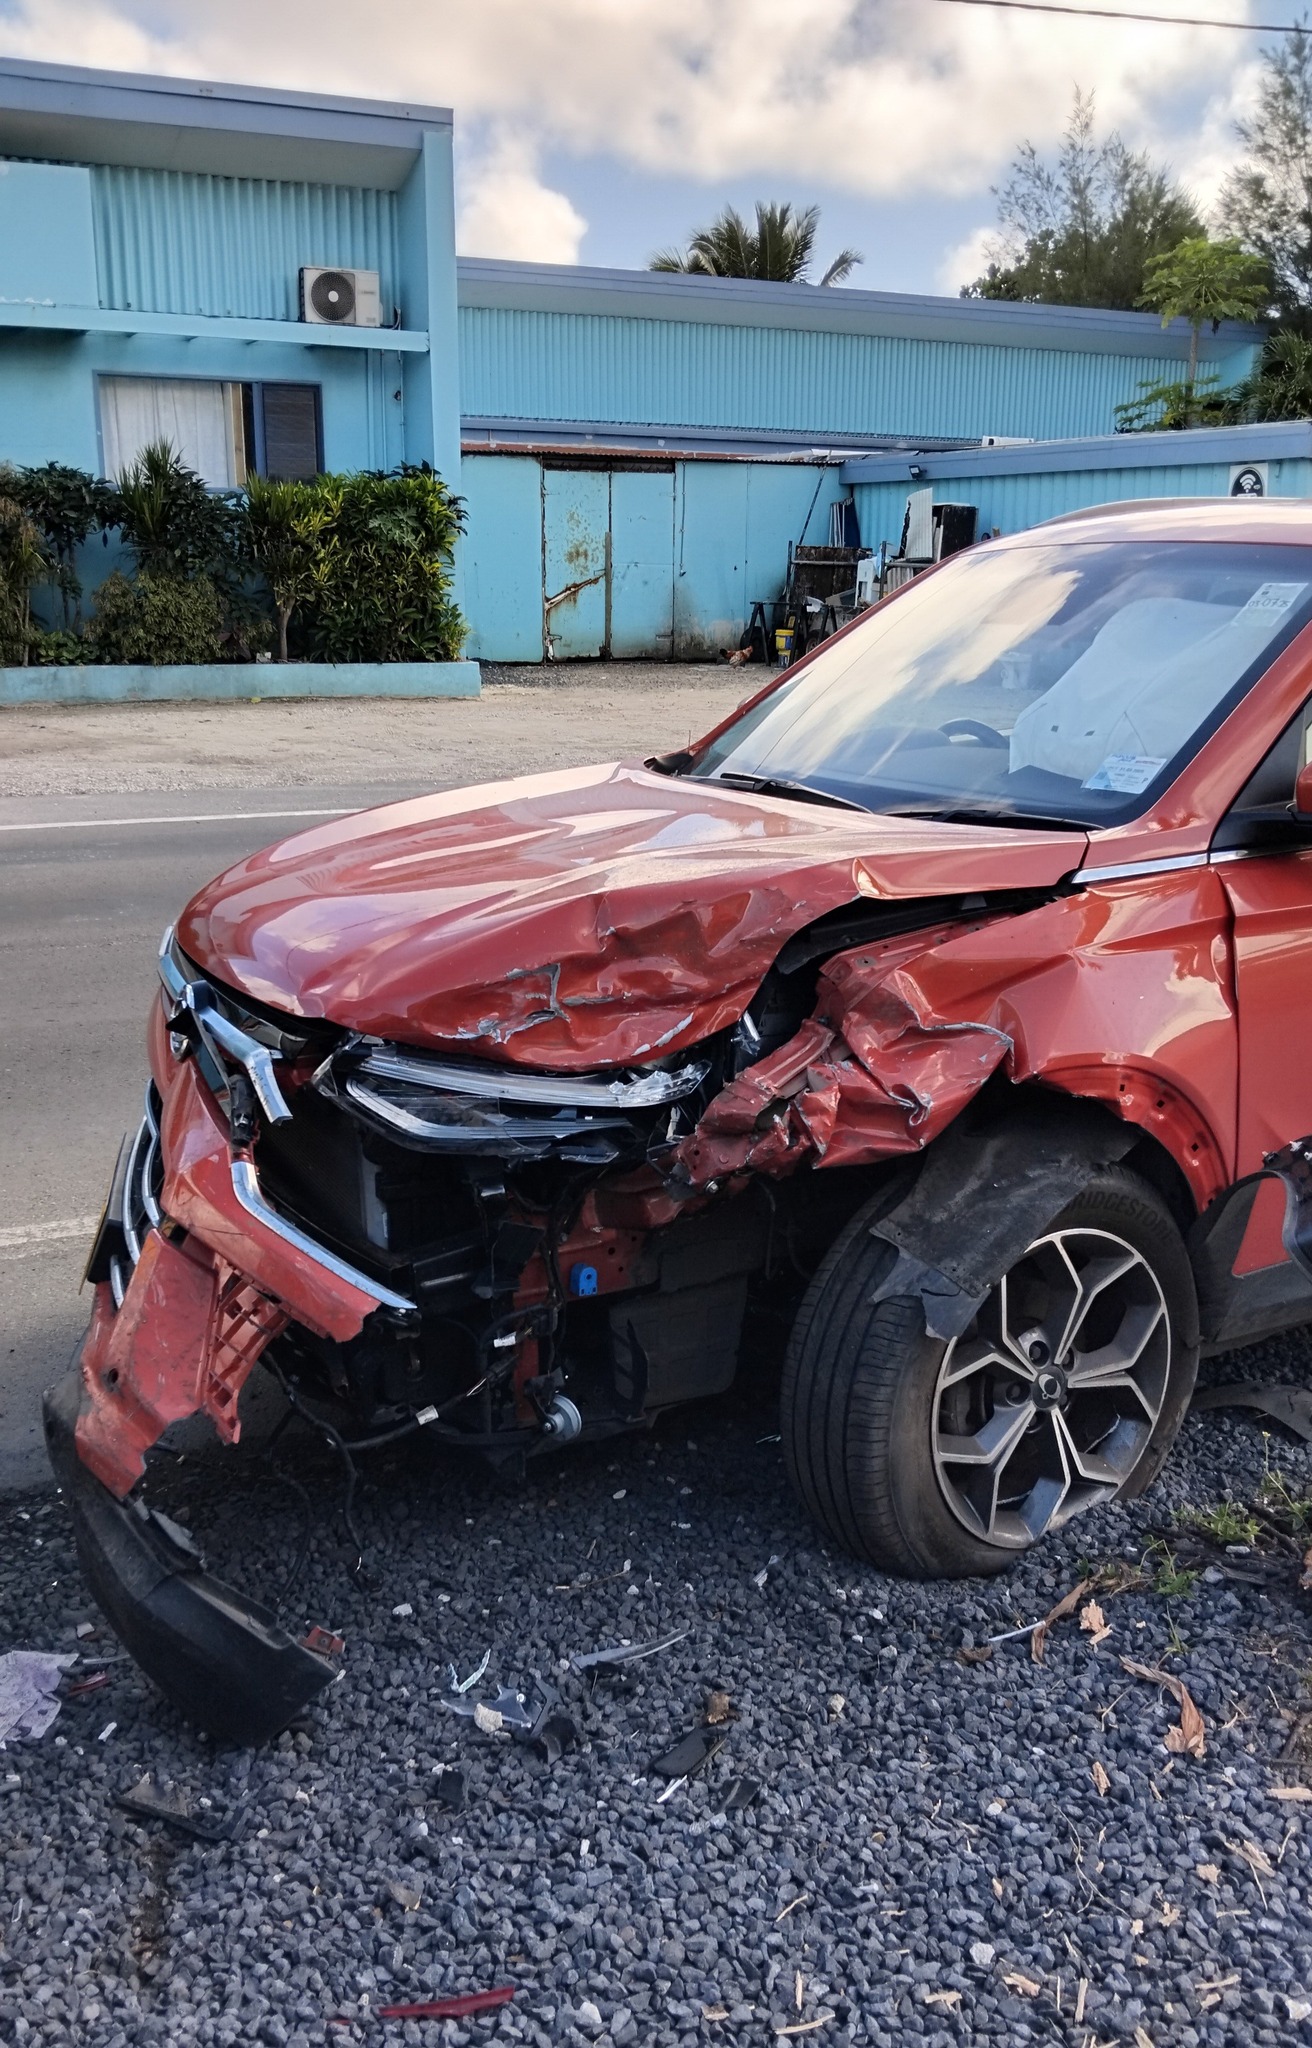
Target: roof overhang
63, 113
837, 309
1272, 441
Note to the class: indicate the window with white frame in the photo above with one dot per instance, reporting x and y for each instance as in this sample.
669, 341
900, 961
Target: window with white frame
224, 431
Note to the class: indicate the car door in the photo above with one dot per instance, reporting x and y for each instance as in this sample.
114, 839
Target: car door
1267, 873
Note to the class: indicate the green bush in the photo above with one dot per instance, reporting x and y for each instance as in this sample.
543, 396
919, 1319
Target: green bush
66, 506
22, 561
57, 649
382, 583
155, 620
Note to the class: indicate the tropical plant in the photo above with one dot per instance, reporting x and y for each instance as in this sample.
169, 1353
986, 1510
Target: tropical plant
1205, 283
779, 249
1266, 202
1177, 404
383, 578
1081, 231
174, 524
23, 561
1281, 386
284, 535
66, 506
155, 619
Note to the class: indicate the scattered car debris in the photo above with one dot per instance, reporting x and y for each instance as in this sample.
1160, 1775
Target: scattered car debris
759, 1578
451, 1787
29, 1700
464, 1685
96, 1682
548, 1727
739, 1794
1294, 1794
323, 1642
1188, 1737
108, 1729
149, 1801
719, 1708
405, 1895
84, 1629
403, 1611
625, 1653
1102, 1782
1064, 1607
690, 1755
1290, 1406
460, 2008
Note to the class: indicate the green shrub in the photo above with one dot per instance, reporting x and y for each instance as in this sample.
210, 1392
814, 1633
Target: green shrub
284, 537
66, 506
22, 561
172, 521
382, 587
57, 649
155, 619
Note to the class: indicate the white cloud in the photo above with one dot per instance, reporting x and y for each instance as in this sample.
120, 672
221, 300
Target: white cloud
908, 97
505, 209
967, 261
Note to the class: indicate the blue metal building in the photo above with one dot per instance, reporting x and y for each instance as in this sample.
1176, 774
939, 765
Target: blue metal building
638, 449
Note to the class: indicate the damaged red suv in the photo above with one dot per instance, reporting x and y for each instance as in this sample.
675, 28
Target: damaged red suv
945, 1005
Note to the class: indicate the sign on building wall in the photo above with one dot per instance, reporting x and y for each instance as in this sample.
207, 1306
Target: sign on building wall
1248, 479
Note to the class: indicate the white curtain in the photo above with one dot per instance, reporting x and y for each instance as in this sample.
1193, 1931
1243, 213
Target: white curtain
201, 421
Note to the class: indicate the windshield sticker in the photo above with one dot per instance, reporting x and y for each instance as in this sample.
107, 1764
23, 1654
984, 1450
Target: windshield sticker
1128, 773
1273, 597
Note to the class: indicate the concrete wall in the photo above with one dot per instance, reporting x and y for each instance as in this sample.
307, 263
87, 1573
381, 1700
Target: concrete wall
668, 557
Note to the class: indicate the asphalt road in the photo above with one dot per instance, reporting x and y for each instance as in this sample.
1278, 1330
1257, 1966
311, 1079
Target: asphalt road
87, 884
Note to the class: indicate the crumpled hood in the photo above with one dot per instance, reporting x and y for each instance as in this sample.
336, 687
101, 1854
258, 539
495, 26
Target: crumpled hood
599, 916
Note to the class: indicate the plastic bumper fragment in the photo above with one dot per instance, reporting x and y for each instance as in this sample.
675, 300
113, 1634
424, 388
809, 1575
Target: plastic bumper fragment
222, 1660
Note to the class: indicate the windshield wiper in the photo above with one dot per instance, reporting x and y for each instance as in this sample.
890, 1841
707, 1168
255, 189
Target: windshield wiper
779, 785
978, 814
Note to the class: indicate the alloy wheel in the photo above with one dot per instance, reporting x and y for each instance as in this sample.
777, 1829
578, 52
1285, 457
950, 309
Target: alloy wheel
1045, 1404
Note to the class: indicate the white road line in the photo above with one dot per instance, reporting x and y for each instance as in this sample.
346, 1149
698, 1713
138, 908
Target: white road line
21, 1240
202, 818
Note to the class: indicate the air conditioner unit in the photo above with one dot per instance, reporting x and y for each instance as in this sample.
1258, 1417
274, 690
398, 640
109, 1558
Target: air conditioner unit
340, 298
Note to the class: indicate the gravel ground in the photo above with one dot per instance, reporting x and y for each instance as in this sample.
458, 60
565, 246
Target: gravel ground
549, 717
914, 1849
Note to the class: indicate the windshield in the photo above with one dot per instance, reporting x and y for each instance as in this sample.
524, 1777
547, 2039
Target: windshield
1048, 682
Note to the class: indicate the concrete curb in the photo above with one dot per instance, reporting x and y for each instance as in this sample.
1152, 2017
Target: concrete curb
236, 681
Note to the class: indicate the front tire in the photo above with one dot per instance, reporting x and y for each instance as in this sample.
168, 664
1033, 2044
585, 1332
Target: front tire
939, 1460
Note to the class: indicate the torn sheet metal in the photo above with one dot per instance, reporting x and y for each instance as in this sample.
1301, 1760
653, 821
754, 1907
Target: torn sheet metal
906, 1032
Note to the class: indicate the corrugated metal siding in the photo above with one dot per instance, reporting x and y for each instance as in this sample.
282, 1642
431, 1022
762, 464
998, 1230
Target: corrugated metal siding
532, 365
1012, 503
183, 242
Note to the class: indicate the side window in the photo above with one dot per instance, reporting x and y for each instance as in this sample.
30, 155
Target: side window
1260, 813
200, 418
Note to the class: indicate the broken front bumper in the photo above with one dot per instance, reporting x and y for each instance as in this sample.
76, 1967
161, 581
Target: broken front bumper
195, 1274
223, 1660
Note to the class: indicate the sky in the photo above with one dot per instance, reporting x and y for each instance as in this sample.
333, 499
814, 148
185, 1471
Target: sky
598, 131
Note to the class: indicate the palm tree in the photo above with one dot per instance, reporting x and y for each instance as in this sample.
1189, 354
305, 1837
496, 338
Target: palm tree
777, 251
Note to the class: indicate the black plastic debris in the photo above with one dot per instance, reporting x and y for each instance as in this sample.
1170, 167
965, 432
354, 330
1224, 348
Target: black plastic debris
690, 1755
1289, 1406
545, 1725
149, 1801
739, 1794
450, 1789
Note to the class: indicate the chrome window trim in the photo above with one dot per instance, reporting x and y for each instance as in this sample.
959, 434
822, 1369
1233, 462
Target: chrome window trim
1127, 871
246, 1187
